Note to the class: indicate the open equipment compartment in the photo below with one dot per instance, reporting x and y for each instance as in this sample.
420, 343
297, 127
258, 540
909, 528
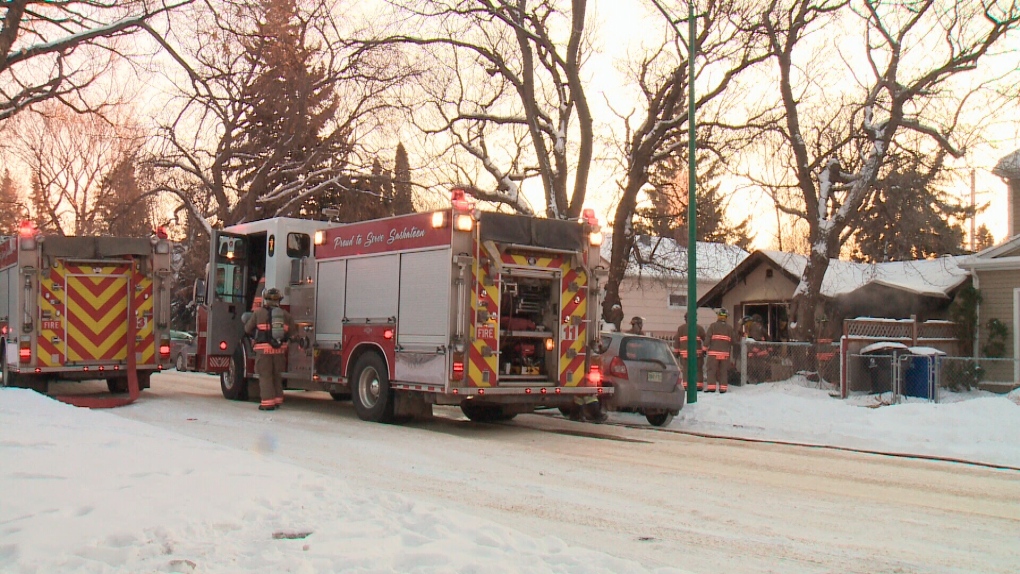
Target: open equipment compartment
528, 322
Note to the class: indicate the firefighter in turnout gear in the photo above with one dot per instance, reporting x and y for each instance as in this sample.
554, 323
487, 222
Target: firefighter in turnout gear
757, 354
681, 349
272, 327
720, 345
637, 326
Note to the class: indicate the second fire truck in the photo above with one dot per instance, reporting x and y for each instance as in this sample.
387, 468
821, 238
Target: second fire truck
491, 312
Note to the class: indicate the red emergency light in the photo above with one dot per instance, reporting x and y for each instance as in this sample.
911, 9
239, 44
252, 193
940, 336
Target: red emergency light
164, 351
387, 334
223, 345
24, 352
594, 376
27, 229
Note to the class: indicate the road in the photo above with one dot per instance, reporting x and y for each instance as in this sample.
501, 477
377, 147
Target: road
658, 497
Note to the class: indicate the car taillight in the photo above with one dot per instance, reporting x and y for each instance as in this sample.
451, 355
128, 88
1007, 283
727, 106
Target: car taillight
617, 368
24, 352
594, 376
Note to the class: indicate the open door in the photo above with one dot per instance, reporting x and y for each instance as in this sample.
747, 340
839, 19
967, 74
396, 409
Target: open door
226, 295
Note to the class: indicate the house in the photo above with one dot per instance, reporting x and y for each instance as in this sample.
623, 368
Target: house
765, 281
996, 273
654, 285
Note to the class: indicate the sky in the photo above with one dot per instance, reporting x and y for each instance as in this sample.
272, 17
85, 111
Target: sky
90, 491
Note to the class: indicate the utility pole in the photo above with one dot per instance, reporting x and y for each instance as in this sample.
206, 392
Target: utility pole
973, 208
692, 235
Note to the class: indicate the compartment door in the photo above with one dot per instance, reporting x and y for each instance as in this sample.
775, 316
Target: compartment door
423, 318
97, 313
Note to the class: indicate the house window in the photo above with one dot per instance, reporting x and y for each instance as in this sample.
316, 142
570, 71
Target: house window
677, 301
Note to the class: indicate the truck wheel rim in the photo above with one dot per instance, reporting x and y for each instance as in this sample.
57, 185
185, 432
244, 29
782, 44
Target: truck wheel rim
369, 387
231, 376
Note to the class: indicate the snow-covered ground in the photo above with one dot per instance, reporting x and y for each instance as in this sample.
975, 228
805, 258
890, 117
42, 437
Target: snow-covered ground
90, 491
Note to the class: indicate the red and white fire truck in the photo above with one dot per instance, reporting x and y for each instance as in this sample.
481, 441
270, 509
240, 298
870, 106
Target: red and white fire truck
78, 308
495, 313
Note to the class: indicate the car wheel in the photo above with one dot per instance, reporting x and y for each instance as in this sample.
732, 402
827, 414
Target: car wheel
179, 363
371, 394
660, 420
233, 384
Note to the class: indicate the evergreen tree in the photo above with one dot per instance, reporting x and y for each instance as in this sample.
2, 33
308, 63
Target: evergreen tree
667, 216
126, 210
286, 143
983, 238
402, 185
908, 217
12, 207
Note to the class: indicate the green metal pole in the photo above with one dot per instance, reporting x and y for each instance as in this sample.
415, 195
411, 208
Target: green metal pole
692, 235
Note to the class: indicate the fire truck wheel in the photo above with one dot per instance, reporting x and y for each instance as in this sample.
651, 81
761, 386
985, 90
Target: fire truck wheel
7, 378
117, 385
232, 383
659, 420
371, 395
486, 413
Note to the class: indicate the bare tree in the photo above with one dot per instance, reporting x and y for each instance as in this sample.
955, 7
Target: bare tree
909, 89
58, 49
657, 133
69, 156
225, 179
508, 93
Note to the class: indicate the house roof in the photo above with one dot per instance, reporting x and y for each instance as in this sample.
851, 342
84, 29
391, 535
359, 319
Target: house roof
1009, 166
662, 255
926, 277
1005, 255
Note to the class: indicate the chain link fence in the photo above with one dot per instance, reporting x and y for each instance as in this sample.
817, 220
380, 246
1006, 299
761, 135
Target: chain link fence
769, 362
905, 374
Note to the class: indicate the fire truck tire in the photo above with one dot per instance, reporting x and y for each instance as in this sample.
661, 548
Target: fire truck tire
371, 393
117, 385
233, 384
486, 413
660, 420
7, 378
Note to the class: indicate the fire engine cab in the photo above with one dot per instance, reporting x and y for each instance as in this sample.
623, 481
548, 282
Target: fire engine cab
78, 308
491, 312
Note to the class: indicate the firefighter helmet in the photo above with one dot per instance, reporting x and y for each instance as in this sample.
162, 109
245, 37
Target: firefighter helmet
721, 313
273, 294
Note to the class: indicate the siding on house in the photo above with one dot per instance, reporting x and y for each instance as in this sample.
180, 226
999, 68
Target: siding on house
649, 299
996, 287
759, 287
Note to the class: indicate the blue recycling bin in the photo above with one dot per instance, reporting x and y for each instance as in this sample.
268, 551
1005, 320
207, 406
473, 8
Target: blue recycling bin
917, 377
919, 372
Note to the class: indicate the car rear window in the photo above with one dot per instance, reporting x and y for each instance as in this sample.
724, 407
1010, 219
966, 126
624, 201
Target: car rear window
640, 349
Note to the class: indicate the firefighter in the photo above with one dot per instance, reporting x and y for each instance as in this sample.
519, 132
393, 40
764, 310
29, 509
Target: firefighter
757, 354
720, 345
699, 349
272, 326
637, 326
615, 317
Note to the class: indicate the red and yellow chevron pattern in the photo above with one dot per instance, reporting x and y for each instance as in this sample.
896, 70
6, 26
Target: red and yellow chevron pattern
483, 355
84, 314
573, 327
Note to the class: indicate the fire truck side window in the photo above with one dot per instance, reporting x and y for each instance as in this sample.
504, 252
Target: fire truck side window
298, 245
230, 263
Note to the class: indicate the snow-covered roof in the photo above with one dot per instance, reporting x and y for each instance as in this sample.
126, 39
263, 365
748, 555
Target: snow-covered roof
658, 255
1009, 166
927, 277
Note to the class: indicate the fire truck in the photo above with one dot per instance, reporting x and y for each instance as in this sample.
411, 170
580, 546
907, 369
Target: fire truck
76, 308
490, 312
